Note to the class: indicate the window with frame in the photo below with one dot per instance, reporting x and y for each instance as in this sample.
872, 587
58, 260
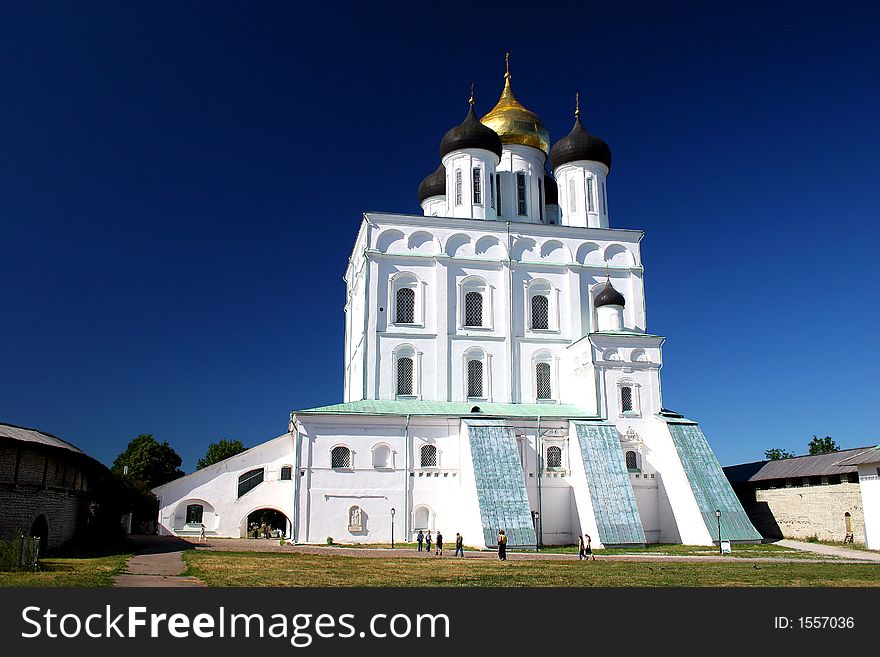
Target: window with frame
540, 199
478, 186
540, 311
554, 457
475, 378
458, 186
286, 473
572, 199
521, 206
498, 190
405, 376
542, 381
194, 514
250, 480
428, 456
491, 191
632, 461
473, 309
626, 399
405, 311
604, 207
591, 204
340, 457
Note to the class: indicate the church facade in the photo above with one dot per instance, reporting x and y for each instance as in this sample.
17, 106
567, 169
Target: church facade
498, 374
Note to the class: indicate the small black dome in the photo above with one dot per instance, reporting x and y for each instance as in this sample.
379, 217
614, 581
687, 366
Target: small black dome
609, 296
551, 190
470, 133
433, 185
579, 145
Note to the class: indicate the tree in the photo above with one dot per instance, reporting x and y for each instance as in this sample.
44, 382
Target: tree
219, 451
823, 445
150, 463
777, 454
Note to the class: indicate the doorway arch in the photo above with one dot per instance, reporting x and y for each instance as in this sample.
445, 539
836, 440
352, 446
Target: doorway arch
40, 529
273, 520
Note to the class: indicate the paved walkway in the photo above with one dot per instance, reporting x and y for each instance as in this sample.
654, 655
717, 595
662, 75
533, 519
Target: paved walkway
159, 563
831, 550
266, 545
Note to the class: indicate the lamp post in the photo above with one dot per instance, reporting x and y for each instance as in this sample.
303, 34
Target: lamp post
718, 518
535, 523
392, 527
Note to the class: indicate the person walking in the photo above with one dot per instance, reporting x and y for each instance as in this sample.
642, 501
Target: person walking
588, 548
202, 534
439, 544
420, 539
502, 545
580, 548
428, 541
459, 545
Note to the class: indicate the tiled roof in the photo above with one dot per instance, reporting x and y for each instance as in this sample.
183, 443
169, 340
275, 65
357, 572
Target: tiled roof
33, 436
420, 407
833, 463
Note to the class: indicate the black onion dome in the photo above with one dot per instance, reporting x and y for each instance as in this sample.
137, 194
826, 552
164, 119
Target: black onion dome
470, 133
551, 190
434, 184
609, 296
579, 145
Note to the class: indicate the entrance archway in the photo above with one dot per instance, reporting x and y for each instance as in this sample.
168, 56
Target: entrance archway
40, 529
266, 523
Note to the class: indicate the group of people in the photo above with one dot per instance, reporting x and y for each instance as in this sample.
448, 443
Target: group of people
256, 530
426, 540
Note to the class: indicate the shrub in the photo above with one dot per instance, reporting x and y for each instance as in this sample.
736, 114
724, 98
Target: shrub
329, 540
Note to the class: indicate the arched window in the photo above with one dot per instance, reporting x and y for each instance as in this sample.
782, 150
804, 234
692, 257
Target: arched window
428, 455
475, 378
542, 381
540, 311
340, 457
458, 186
250, 480
421, 518
478, 186
194, 514
554, 457
406, 306
521, 206
626, 399
405, 376
473, 309
591, 204
632, 462
381, 457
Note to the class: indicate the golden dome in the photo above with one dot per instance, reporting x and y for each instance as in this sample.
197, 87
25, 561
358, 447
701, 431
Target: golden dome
514, 123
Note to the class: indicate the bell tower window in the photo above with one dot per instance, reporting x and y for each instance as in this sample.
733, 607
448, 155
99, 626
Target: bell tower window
542, 381
406, 306
475, 378
521, 206
458, 186
572, 199
478, 188
591, 204
498, 186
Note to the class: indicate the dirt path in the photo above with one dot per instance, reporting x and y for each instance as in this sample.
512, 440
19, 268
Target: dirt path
831, 550
159, 563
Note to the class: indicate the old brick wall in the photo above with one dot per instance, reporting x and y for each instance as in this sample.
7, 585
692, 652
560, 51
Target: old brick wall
809, 511
20, 507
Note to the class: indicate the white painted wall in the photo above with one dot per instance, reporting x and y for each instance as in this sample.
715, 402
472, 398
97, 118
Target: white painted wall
869, 482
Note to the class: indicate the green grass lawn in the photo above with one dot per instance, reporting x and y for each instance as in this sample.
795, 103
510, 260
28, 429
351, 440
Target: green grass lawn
69, 571
272, 569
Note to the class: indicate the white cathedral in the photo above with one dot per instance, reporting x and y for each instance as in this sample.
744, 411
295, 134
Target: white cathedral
498, 375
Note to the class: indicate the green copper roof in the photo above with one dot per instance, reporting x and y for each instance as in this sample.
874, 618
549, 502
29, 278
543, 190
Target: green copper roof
419, 407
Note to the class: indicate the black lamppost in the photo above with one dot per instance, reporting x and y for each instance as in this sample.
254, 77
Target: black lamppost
392, 527
718, 517
535, 523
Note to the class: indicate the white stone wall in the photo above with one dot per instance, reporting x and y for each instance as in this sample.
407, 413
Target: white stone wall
869, 482
818, 511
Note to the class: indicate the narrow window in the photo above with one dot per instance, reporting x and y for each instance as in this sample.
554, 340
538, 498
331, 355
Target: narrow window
194, 514
540, 311
631, 461
475, 378
540, 199
250, 480
572, 200
340, 457
404, 376
626, 399
554, 457
473, 309
604, 200
406, 306
458, 186
521, 208
286, 472
590, 202
498, 185
428, 456
478, 188
491, 191
542, 379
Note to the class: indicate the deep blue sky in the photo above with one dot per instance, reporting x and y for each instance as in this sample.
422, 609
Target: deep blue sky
166, 169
